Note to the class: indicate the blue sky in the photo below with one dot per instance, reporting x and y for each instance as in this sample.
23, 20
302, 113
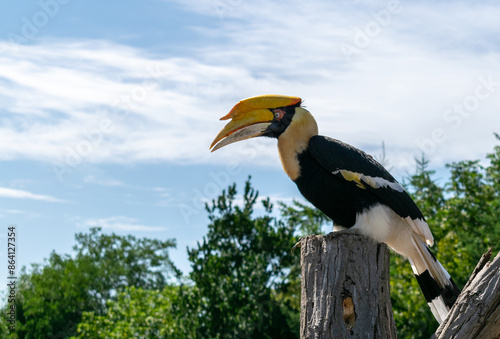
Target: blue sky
107, 109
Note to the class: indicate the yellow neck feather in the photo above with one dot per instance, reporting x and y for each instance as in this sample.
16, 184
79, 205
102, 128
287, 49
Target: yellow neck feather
295, 139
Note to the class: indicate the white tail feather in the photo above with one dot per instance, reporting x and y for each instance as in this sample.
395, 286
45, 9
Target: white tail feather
428, 262
409, 237
425, 261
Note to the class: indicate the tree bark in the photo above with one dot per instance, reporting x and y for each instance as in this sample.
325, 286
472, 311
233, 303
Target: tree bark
345, 288
476, 313
345, 292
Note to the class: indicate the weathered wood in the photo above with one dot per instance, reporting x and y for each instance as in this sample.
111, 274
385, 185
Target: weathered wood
345, 288
476, 313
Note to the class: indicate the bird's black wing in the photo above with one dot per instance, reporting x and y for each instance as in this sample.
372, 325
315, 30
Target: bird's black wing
349, 163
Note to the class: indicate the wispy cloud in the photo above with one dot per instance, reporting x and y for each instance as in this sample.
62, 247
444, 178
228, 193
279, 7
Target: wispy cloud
121, 223
25, 214
21, 194
91, 179
94, 101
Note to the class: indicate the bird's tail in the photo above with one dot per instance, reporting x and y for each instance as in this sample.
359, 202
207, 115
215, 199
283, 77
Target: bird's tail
438, 287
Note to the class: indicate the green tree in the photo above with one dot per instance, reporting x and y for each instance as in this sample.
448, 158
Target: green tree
240, 267
411, 313
306, 219
463, 215
52, 297
142, 313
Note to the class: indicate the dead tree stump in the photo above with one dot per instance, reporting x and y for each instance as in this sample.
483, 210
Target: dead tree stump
476, 313
345, 288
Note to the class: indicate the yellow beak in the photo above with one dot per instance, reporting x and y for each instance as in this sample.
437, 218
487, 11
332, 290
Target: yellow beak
249, 118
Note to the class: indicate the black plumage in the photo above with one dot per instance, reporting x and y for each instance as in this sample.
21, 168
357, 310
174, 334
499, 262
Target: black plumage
321, 182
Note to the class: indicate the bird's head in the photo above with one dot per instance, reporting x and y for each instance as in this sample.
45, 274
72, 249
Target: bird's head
265, 115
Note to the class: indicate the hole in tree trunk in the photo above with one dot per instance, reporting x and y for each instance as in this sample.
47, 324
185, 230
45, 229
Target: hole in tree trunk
349, 314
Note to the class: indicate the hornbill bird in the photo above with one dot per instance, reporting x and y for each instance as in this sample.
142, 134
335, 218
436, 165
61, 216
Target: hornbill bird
346, 184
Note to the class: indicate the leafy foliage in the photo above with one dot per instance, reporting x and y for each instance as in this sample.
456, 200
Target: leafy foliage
142, 313
52, 298
241, 263
304, 218
464, 216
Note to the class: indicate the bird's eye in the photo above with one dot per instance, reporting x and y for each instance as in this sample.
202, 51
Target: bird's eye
278, 114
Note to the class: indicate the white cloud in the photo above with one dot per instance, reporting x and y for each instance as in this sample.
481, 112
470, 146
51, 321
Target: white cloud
92, 179
21, 194
121, 223
24, 214
66, 102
